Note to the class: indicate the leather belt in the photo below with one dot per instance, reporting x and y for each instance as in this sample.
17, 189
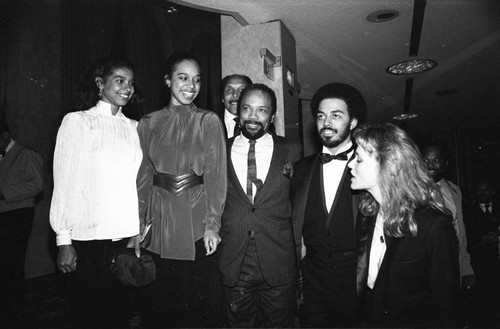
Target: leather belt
177, 184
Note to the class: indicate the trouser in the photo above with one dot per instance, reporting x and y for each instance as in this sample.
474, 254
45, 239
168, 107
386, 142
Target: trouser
487, 271
15, 230
329, 293
253, 303
185, 294
95, 299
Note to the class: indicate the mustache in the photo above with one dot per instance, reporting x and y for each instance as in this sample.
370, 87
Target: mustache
328, 128
253, 122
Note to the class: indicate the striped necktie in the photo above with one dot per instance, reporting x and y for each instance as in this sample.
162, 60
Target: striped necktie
237, 127
252, 171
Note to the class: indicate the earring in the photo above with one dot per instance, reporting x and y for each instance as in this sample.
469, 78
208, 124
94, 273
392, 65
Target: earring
99, 93
168, 85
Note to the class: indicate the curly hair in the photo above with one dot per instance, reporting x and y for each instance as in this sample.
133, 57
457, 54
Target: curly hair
356, 105
404, 182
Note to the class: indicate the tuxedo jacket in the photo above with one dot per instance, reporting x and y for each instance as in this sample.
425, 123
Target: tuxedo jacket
418, 280
21, 178
301, 182
480, 224
269, 218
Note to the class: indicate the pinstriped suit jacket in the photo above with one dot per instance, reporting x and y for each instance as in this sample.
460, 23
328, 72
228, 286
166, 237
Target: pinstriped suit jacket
270, 218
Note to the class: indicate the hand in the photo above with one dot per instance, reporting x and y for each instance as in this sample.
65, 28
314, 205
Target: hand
135, 242
66, 258
211, 240
468, 282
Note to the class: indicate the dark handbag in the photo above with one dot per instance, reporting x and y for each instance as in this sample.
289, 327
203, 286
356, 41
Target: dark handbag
133, 271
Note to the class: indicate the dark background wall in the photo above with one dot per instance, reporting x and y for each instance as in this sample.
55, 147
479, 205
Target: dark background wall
46, 47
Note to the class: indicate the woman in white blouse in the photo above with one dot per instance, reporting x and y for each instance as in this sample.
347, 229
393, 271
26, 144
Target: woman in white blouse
94, 203
408, 247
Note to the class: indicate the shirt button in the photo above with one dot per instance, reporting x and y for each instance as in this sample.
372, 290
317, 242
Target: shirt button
253, 209
249, 233
328, 233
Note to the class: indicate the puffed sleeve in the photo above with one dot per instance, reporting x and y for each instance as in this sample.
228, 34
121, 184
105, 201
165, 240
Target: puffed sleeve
70, 170
214, 172
146, 170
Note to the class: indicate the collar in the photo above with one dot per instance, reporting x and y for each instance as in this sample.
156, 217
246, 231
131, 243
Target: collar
344, 148
11, 144
181, 108
228, 115
240, 139
104, 109
442, 183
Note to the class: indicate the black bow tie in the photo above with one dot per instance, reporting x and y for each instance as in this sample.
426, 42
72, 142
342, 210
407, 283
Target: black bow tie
325, 157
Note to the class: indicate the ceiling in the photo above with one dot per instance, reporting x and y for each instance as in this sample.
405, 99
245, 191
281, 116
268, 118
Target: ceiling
336, 43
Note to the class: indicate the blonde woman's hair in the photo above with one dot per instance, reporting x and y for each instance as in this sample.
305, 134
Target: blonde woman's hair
404, 182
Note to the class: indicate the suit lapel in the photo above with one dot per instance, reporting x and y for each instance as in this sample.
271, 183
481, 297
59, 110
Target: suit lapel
8, 160
392, 246
278, 160
303, 187
364, 237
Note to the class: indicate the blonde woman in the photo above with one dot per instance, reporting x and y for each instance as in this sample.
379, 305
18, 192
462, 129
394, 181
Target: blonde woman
408, 246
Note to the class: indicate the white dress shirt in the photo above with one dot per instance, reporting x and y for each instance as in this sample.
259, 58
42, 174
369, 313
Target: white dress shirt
377, 251
96, 161
332, 174
263, 153
486, 207
229, 122
7, 149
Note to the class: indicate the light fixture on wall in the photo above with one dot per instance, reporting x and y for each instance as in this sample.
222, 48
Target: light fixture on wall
269, 62
405, 116
412, 66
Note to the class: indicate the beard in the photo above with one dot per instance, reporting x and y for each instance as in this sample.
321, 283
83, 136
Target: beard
435, 174
335, 140
253, 134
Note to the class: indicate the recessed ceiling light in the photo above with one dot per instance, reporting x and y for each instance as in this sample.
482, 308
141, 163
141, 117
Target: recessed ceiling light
382, 16
405, 116
412, 66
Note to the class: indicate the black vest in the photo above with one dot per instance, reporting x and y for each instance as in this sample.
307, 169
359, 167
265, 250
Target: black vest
329, 237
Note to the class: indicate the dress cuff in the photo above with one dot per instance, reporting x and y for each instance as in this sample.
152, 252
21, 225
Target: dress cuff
212, 227
63, 238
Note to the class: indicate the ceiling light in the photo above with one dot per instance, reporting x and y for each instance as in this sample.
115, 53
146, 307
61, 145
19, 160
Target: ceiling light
412, 66
171, 10
405, 116
382, 16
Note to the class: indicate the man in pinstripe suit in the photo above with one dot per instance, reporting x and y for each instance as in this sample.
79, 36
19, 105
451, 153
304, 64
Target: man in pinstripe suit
257, 255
